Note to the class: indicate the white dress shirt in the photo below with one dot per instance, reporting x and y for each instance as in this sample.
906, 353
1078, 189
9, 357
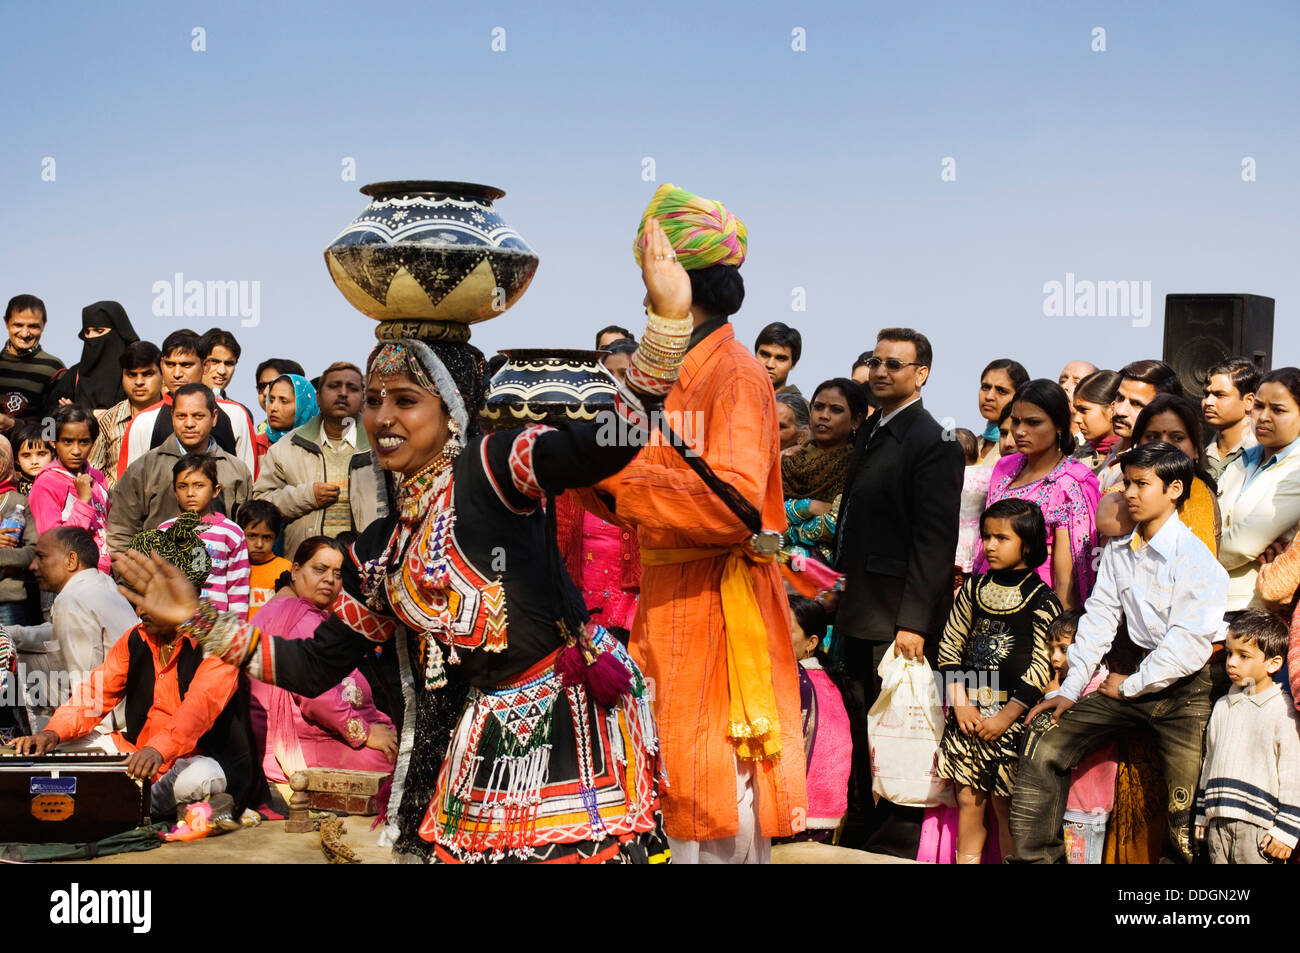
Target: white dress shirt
87, 617
1171, 591
898, 410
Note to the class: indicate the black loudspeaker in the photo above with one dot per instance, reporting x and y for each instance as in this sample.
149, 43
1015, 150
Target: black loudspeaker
1201, 330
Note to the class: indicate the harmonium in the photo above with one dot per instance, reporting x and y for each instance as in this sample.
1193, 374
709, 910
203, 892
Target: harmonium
68, 797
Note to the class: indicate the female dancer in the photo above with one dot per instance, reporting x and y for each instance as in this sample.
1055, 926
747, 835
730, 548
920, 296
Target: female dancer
554, 756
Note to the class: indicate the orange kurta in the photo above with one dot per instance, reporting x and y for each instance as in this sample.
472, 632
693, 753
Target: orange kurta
174, 725
723, 405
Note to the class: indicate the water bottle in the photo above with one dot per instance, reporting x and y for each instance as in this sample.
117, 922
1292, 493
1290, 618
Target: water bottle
15, 522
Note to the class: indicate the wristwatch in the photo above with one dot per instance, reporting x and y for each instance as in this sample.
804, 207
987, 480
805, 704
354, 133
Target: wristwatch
766, 543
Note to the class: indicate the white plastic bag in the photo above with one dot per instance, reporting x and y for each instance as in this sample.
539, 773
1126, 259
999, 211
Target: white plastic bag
903, 729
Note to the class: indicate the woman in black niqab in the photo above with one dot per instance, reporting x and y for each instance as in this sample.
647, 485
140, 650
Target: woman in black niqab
95, 381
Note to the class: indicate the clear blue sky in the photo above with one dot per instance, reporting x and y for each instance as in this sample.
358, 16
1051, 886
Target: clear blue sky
225, 164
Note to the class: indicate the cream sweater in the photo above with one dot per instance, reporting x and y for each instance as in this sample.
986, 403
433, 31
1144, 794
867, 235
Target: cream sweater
1252, 763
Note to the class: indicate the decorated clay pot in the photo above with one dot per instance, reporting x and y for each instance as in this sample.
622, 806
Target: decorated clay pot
430, 258
537, 386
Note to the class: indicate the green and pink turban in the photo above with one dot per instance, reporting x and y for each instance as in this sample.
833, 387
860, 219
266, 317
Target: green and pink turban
701, 231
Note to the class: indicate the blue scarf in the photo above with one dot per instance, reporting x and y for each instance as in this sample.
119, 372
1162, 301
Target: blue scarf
305, 407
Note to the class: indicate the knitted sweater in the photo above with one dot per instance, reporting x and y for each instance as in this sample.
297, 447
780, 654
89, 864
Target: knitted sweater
1251, 770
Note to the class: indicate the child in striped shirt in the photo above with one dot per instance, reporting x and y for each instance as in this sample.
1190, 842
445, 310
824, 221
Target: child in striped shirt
194, 478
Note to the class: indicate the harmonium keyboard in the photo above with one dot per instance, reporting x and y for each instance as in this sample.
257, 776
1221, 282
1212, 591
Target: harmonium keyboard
68, 797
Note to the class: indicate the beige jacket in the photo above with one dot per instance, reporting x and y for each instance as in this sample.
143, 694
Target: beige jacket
144, 497
295, 463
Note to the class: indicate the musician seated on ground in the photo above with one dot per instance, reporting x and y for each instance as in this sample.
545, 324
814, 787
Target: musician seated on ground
184, 727
87, 617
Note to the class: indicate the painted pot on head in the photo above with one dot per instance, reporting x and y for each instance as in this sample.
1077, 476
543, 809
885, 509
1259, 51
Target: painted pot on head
428, 259
537, 386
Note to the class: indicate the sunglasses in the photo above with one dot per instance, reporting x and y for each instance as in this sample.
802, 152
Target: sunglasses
892, 364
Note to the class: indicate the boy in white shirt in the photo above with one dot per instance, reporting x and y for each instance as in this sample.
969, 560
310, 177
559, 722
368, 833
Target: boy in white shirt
1171, 592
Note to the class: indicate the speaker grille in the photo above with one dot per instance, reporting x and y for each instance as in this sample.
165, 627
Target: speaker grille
1191, 358
1203, 329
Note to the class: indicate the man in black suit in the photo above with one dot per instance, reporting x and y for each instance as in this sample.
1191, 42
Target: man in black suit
895, 542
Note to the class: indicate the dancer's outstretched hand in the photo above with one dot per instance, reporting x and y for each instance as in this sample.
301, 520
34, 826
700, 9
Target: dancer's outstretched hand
155, 587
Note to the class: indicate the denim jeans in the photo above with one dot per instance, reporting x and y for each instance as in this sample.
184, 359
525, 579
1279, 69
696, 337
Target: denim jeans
1178, 714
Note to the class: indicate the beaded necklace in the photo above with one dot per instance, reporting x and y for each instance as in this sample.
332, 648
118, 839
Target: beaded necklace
416, 493
415, 497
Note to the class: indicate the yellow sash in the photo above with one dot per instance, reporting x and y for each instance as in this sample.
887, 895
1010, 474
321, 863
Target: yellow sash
753, 725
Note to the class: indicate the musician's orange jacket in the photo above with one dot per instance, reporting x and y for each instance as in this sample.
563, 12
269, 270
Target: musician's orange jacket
173, 726
722, 405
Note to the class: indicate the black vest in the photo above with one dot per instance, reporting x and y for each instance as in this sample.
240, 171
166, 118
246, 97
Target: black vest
230, 739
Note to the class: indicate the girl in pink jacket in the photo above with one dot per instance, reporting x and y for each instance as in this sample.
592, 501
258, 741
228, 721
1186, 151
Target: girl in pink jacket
68, 491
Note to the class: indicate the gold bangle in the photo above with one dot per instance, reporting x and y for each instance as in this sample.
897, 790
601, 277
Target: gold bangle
661, 358
658, 349
658, 368
663, 347
674, 326
663, 374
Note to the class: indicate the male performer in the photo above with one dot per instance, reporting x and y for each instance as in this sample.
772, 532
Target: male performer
712, 630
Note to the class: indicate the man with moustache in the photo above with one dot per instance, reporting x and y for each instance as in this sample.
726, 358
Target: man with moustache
321, 477
1228, 405
1140, 382
895, 543
87, 617
220, 353
28, 372
144, 496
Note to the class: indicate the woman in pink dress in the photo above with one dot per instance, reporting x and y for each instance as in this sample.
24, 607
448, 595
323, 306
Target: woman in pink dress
1066, 490
340, 728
